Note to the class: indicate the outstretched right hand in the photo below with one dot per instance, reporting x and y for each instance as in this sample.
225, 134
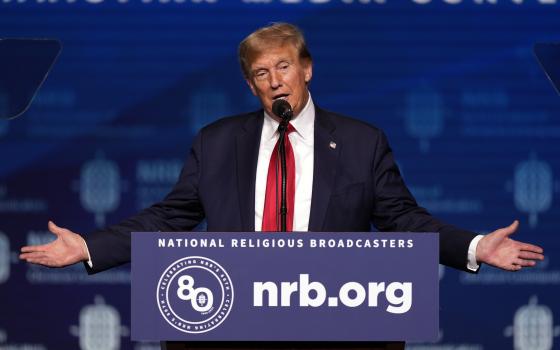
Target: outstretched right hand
68, 248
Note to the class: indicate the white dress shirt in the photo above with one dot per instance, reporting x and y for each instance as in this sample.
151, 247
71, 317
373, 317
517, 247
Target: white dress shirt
302, 144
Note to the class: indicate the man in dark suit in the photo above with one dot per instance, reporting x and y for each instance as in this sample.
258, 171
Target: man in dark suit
355, 183
345, 176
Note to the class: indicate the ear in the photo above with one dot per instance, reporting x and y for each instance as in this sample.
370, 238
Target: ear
308, 71
251, 86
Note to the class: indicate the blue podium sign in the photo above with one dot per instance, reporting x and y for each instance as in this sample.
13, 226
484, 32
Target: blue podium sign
285, 286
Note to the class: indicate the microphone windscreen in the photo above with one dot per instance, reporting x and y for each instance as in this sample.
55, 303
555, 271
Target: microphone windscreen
282, 109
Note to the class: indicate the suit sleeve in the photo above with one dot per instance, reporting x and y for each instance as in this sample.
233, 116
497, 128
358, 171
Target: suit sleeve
396, 210
180, 210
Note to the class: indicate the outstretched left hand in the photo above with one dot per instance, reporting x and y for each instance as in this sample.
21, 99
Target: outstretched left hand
499, 250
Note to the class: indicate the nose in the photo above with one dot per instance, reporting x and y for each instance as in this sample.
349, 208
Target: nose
275, 79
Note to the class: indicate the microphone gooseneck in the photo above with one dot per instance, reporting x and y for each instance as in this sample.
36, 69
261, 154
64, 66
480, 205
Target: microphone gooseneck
283, 110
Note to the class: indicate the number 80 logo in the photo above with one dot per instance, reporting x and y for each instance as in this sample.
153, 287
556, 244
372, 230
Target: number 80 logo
192, 293
201, 298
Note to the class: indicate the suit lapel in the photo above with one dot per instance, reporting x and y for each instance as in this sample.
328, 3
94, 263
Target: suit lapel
324, 168
247, 152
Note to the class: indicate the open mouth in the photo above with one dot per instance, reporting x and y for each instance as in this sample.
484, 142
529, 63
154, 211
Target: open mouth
280, 96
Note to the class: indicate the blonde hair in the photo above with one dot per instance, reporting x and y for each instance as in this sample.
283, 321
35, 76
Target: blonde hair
273, 35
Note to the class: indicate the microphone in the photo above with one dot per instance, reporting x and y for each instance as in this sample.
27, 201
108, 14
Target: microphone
282, 109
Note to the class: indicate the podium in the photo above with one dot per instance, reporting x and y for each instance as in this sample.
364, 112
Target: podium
284, 346
285, 290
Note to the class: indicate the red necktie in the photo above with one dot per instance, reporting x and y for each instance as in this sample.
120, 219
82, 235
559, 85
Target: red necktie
271, 213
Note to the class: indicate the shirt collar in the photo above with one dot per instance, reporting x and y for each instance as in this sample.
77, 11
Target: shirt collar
303, 122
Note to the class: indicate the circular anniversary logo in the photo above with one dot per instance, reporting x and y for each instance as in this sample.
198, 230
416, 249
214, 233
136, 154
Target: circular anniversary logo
195, 294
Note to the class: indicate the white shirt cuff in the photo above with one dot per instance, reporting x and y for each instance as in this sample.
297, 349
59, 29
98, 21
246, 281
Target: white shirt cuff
90, 264
472, 264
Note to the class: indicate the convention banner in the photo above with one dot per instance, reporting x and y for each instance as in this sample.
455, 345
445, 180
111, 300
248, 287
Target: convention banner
285, 286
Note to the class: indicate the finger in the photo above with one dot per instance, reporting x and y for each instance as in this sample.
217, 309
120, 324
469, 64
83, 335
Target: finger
34, 248
40, 261
530, 248
33, 255
516, 267
523, 263
39, 258
530, 255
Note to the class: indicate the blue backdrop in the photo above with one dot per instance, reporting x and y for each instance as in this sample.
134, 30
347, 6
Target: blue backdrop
471, 117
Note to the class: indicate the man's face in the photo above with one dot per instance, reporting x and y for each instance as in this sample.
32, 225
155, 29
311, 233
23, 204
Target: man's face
279, 73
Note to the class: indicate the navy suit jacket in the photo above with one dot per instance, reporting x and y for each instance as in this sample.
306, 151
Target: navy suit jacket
355, 184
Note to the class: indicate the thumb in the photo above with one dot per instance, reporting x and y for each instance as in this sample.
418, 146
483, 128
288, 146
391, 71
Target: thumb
511, 228
55, 229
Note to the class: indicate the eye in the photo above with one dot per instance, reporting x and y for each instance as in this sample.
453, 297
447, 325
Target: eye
261, 74
284, 66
